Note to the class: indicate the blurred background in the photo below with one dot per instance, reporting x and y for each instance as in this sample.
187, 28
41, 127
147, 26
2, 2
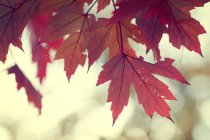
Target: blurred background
77, 110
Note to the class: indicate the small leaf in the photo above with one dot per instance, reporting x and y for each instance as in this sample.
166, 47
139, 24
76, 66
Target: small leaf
33, 95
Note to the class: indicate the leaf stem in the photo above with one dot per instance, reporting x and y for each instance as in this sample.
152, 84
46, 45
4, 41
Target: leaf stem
91, 7
120, 40
114, 5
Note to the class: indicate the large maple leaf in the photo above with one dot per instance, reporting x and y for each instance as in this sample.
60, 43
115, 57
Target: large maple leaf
33, 95
123, 71
14, 15
155, 17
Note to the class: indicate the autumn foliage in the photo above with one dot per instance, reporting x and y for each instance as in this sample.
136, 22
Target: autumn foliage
71, 30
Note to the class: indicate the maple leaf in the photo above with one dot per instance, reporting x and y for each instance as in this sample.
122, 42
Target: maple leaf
72, 52
155, 17
152, 30
185, 31
105, 35
33, 95
14, 15
41, 56
68, 19
71, 21
41, 49
123, 71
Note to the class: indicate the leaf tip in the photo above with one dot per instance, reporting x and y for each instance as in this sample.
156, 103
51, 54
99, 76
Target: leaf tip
88, 69
186, 82
113, 122
3, 60
171, 119
98, 83
201, 54
69, 81
40, 111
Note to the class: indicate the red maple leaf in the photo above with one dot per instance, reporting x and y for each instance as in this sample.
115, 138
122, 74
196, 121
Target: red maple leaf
33, 95
14, 16
41, 49
72, 51
124, 70
41, 56
73, 21
155, 17
105, 35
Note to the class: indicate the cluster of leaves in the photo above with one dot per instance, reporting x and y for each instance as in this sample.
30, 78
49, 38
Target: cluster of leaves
64, 26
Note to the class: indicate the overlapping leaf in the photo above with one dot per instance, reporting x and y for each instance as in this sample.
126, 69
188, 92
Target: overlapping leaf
111, 36
72, 21
14, 15
155, 17
40, 49
72, 52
